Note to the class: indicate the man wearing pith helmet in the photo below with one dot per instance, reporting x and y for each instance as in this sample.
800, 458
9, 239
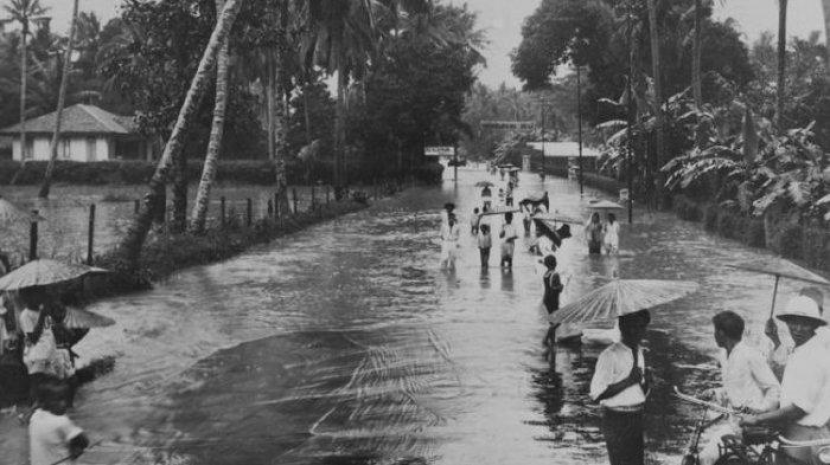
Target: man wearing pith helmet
804, 409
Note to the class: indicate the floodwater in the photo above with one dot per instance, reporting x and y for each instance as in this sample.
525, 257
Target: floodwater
345, 344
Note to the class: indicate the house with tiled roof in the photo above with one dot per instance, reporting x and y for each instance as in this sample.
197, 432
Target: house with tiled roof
88, 133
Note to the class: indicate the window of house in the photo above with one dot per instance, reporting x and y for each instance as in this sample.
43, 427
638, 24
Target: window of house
65, 147
91, 154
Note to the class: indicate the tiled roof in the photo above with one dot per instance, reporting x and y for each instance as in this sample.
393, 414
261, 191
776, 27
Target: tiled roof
77, 119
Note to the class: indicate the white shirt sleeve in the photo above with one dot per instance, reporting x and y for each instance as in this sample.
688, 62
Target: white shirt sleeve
603, 374
67, 429
766, 380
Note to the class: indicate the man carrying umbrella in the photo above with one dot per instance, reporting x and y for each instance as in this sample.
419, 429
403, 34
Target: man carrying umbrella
620, 385
804, 410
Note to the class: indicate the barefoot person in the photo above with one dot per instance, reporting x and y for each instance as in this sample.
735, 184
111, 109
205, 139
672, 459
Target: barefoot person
620, 385
508, 236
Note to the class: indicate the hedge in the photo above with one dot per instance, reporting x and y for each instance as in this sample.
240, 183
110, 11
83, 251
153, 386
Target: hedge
245, 171
807, 244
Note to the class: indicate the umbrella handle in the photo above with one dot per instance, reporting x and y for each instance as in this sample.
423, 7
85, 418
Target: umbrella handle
774, 294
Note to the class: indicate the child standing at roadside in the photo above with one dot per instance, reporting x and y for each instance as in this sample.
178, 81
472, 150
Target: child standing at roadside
485, 242
53, 438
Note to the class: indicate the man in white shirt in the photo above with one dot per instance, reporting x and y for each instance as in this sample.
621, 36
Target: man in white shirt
748, 382
508, 236
782, 348
53, 438
804, 409
620, 386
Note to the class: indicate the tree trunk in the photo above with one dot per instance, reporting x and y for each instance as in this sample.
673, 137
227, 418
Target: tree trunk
782, 63
200, 206
67, 65
269, 105
658, 96
23, 78
130, 247
340, 129
826, 6
697, 46
280, 89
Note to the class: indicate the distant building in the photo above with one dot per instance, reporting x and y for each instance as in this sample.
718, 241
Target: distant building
564, 149
88, 134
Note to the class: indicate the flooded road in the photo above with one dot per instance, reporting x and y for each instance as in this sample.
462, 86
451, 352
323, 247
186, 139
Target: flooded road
345, 344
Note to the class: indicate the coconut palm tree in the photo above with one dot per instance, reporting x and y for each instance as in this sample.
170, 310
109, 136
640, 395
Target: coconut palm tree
826, 7
697, 47
658, 87
782, 62
130, 247
340, 40
67, 64
24, 12
200, 207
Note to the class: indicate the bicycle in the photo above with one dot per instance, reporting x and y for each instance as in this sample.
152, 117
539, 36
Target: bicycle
755, 445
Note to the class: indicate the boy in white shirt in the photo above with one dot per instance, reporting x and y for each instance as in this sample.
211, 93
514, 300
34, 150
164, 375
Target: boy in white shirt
508, 236
620, 385
53, 438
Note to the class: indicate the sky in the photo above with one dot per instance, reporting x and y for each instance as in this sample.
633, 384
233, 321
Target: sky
502, 21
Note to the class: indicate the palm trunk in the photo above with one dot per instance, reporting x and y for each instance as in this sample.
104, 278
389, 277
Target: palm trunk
782, 62
697, 46
67, 64
23, 77
200, 206
826, 6
340, 129
658, 94
269, 105
130, 247
281, 179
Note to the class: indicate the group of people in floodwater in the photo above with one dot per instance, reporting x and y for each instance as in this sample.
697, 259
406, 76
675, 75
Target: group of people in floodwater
37, 372
785, 386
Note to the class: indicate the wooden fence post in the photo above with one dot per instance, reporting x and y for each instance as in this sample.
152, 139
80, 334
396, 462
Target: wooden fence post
296, 201
33, 236
91, 237
250, 212
222, 212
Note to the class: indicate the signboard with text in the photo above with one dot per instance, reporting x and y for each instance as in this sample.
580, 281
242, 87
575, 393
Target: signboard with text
439, 151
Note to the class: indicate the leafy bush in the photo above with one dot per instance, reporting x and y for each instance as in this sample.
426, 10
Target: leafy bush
754, 234
790, 241
816, 247
710, 217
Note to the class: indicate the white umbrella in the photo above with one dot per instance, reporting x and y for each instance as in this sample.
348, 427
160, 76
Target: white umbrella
79, 318
621, 297
780, 268
604, 205
44, 272
10, 213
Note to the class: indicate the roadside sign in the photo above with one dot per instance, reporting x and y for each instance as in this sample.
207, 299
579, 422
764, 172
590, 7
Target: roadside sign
623, 195
439, 151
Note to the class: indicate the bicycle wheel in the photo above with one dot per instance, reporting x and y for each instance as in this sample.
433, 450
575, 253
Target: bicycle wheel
731, 459
690, 459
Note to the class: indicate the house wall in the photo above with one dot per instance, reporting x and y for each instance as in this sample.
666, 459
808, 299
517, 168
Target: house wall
81, 149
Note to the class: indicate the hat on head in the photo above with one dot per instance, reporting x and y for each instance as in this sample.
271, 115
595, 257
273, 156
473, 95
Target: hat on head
804, 307
815, 294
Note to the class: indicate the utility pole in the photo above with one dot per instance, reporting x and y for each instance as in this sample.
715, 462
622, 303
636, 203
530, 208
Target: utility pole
579, 118
631, 115
543, 139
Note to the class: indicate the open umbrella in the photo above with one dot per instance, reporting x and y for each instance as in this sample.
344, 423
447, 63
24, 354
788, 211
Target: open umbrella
484, 184
44, 272
506, 166
10, 213
557, 218
621, 297
501, 211
78, 318
604, 205
781, 268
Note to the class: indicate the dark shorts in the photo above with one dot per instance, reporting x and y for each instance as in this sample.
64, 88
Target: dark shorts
623, 433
